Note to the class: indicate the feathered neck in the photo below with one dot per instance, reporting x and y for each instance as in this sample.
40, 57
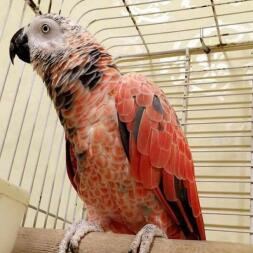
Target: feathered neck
83, 59
86, 72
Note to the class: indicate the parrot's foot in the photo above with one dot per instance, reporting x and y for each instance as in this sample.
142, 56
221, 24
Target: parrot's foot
145, 237
75, 233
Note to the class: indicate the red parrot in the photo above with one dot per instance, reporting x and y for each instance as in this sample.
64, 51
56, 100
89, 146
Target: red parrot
127, 156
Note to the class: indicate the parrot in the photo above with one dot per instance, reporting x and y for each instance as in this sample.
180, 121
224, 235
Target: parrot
126, 154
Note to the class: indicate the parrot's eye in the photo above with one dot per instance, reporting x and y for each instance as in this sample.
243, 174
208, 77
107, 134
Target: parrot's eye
45, 28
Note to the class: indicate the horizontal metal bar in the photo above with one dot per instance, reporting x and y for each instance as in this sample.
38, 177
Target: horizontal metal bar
232, 177
237, 58
152, 64
203, 70
219, 137
229, 230
181, 52
208, 145
236, 181
218, 122
175, 31
175, 105
221, 151
207, 119
222, 177
204, 118
152, 69
203, 83
170, 21
178, 61
112, 7
220, 166
224, 197
215, 109
196, 161
219, 103
227, 226
199, 78
228, 213
223, 132
209, 96
218, 133
160, 11
212, 90
177, 40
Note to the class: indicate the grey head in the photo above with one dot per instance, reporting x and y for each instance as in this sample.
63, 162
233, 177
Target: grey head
46, 36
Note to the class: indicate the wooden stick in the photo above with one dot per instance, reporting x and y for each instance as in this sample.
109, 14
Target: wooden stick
47, 240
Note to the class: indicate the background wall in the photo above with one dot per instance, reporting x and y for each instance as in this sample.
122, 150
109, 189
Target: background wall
212, 95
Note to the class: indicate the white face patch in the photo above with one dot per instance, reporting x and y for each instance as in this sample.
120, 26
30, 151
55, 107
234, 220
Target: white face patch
45, 33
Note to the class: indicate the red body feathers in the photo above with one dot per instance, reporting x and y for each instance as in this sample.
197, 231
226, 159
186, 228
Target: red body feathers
140, 169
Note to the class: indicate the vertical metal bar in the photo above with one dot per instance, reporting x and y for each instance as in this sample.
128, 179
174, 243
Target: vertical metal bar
38, 156
17, 88
9, 64
62, 2
67, 207
83, 213
186, 89
45, 172
216, 22
49, 6
251, 175
136, 26
59, 199
12, 108
5, 79
40, 148
54, 178
75, 207
21, 126
31, 136
6, 18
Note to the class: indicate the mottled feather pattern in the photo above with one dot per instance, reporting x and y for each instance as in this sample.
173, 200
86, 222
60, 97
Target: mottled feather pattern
127, 156
159, 153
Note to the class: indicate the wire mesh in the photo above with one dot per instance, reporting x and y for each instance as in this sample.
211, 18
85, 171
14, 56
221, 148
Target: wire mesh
165, 40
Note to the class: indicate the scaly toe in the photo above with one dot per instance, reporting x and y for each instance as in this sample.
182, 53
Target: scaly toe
145, 237
74, 235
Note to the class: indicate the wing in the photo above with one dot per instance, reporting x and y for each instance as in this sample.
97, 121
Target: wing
71, 163
158, 151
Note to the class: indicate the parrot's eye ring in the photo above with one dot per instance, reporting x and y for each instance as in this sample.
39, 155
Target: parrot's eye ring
45, 28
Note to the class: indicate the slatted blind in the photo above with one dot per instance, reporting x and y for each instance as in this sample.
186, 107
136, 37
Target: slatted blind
168, 41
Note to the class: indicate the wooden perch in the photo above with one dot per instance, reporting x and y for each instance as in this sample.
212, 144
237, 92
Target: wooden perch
47, 240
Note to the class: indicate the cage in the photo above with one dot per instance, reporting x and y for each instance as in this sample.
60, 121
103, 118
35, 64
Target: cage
198, 52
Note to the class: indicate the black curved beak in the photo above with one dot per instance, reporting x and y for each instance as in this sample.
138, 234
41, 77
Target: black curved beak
19, 46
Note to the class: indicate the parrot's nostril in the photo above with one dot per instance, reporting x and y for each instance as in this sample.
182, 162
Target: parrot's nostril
21, 40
